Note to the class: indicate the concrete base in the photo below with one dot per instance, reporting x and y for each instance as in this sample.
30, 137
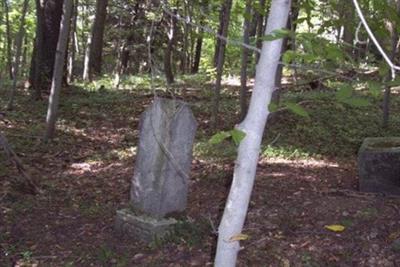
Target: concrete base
379, 165
142, 227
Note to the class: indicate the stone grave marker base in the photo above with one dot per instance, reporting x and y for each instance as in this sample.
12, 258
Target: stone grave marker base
142, 227
379, 165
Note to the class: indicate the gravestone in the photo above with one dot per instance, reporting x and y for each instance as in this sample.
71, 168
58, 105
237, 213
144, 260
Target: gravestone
160, 182
379, 165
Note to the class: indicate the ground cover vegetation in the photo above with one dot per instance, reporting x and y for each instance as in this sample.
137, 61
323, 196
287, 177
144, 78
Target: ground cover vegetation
333, 90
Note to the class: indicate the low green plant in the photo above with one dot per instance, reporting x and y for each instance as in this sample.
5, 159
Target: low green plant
186, 231
105, 255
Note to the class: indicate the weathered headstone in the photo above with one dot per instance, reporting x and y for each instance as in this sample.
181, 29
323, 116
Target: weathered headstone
379, 165
160, 182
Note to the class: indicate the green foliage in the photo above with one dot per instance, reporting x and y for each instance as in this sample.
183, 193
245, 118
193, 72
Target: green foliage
224, 150
337, 129
297, 109
345, 95
374, 88
188, 232
105, 255
219, 137
276, 34
289, 152
236, 134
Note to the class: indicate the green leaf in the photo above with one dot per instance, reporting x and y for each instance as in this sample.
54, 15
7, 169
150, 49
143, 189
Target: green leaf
276, 34
374, 88
272, 107
237, 136
395, 82
297, 109
289, 56
357, 102
219, 137
384, 69
344, 92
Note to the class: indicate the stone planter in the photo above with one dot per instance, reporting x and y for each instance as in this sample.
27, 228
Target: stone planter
379, 165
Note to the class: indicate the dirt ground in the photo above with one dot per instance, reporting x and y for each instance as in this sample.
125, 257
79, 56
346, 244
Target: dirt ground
85, 177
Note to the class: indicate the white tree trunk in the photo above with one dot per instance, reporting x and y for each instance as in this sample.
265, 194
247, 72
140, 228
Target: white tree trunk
86, 71
58, 70
249, 149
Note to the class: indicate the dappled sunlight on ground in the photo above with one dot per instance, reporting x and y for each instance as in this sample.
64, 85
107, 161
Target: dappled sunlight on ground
307, 180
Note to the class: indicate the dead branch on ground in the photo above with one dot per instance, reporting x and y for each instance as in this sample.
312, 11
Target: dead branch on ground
26, 180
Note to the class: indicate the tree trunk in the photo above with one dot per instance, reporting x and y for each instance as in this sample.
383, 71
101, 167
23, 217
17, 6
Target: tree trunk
245, 60
287, 44
249, 148
24, 54
224, 18
96, 49
8, 38
347, 17
220, 50
185, 43
199, 41
260, 30
392, 27
73, 44
47, 30
58, 70
18, 43
86, 68
169, 75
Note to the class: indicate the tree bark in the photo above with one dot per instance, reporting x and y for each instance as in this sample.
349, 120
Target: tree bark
185, 43
171, 34
394, 36
224, 18
8, 38
73, 44
199, 41
48, 13
259, 30
287, 44
347, 16
248, 152
18, 43
96, 49
87, 76
220, 51
245, 61
58, 70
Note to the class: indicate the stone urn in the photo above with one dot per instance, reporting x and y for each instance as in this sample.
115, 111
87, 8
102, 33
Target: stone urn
379, 165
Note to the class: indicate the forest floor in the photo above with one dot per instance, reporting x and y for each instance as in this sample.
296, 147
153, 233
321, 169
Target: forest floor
306, 180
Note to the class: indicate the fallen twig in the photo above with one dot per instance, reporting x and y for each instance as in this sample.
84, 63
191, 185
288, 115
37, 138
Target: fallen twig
12, 157
358, 194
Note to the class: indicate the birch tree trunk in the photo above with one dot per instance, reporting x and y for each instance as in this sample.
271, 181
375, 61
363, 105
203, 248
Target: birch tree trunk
18, 43
249, 149
58, 70
86, 76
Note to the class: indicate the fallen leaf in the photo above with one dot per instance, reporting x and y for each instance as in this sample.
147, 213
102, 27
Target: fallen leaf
335, 227
238, 237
